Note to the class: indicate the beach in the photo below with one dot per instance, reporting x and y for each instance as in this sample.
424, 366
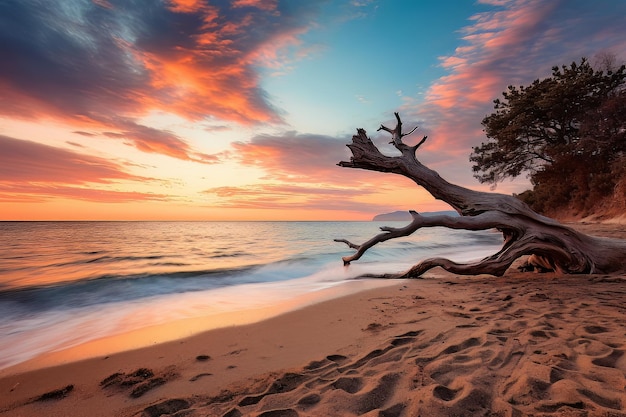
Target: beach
446, 345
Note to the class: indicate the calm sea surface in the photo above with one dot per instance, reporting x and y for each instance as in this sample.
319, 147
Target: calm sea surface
64, 283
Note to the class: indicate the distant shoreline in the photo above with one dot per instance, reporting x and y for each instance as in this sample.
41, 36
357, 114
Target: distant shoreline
405, 215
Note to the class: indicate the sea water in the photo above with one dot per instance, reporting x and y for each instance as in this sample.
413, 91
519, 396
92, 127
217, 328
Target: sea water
66, 283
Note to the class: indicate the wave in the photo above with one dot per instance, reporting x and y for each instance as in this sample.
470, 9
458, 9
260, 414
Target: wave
115, 288
111, 287
103, 292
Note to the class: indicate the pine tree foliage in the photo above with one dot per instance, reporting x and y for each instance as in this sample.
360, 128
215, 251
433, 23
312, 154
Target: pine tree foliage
566, 132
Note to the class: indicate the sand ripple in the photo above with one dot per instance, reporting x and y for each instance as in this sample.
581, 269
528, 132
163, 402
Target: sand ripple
501, 347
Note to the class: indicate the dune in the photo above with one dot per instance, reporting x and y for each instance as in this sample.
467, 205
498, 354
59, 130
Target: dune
523, 344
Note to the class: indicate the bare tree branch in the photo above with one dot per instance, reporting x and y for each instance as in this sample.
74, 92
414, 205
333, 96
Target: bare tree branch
524, 231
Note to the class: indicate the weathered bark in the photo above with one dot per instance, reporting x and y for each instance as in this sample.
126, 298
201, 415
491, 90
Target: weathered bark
525, 232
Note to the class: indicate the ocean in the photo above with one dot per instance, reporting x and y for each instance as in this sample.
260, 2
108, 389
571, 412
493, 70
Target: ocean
66, 283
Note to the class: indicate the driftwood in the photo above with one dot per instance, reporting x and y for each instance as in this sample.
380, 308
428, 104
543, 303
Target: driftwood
550, 244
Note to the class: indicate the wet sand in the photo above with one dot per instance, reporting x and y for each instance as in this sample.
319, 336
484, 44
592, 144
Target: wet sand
523, 344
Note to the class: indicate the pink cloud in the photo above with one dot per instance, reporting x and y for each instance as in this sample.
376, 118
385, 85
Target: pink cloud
308, 159
152, 140
26, 161
186, 6
514, 44
290, 197
303, 173
292, 156
33, 172
30, 193
268, 5
106, 65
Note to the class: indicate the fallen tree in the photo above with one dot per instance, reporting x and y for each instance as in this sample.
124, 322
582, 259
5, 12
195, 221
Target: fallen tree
550, 244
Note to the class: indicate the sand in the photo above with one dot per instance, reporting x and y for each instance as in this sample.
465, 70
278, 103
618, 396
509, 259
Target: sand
446, 345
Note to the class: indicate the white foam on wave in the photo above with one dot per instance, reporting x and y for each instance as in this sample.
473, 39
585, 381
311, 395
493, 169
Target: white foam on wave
62, 329
269, 290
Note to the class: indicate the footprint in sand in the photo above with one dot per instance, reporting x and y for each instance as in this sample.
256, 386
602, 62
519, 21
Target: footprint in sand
472, 342
377, 397
141, 381
309, 400
613, 403
393, 411
556, 375
56, 394
286, 383
539, 334
197, 377
609, 361
444, 393
337, 358
595, 329
168, 407
288, 412
349, 385
325, 366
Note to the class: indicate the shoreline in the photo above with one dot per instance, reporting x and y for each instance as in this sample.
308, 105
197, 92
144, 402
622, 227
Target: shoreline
181, 329
524, 343
292, 336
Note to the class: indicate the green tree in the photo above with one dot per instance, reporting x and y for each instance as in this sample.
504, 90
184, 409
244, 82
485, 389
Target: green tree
566, 132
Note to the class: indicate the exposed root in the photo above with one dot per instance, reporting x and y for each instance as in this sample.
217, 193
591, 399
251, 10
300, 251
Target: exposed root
550, 244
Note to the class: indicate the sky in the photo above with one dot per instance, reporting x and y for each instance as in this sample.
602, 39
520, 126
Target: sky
241, 109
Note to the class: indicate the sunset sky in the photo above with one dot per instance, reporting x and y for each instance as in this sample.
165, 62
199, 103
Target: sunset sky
240, 110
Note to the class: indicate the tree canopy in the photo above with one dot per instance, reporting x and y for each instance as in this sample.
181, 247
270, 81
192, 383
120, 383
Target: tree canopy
566, 132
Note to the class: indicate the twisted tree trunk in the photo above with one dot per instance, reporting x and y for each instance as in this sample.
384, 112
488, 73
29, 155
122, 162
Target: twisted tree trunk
525, 232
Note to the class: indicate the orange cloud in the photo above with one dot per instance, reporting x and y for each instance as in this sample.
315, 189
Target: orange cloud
268, 5
291, 156
33, 172
29, 193
514, 44
106, 65
292, 197
304, 176
483, 67
152, 140
186, 6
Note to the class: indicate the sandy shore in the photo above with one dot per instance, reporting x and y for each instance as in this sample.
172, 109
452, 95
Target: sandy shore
523, 344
